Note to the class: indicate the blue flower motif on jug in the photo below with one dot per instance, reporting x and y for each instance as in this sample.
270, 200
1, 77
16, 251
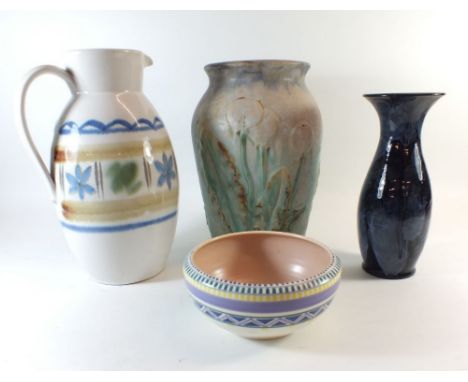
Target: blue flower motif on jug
78, 183
166, 171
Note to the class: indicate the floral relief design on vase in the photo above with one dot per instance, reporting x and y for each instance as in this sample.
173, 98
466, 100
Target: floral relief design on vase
166, 171
79, 182
265, 191
258, 158
124, 177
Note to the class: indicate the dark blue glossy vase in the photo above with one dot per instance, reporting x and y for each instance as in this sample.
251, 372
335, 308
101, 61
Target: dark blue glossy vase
395, 203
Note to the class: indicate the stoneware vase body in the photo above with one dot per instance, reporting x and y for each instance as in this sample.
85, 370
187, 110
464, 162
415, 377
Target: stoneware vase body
395, 203
256, 134
113, 171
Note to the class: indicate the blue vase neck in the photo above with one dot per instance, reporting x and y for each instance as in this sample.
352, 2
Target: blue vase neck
402, 114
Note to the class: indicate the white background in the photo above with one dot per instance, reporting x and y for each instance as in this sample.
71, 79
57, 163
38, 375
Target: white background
53, 316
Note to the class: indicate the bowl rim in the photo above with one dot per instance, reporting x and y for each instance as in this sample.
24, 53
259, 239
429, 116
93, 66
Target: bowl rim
330, 273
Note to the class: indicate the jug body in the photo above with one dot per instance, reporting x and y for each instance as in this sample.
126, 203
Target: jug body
114, 171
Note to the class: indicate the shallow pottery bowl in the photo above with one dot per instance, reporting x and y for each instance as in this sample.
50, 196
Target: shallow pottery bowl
262, 284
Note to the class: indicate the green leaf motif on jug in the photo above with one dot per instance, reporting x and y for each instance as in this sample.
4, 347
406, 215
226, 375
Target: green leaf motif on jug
124, 177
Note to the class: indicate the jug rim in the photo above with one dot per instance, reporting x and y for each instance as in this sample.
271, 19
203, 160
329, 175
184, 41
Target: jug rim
105, 50
108, 69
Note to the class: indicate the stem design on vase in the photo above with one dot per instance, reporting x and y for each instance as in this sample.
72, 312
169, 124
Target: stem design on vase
248, 179
219, 183
240, 202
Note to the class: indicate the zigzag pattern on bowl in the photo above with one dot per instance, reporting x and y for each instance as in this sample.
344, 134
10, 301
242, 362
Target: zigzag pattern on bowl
263, 322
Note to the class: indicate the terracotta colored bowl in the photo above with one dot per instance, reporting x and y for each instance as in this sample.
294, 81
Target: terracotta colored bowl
262, 284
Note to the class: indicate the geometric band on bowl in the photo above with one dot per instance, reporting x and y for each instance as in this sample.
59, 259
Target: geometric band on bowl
262, 322
262, 292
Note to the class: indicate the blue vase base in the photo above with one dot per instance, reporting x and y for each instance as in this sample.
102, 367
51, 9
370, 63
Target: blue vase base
381, 274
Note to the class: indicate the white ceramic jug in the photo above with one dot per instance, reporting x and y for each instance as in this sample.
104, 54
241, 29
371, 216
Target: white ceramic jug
113, 171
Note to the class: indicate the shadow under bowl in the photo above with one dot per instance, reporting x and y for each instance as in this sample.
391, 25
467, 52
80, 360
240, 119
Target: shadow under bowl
262, 284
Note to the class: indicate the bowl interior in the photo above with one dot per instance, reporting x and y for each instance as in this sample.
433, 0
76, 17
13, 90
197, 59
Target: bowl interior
261, 258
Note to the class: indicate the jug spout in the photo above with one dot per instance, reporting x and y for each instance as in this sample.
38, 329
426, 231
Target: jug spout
107, 70
148, 61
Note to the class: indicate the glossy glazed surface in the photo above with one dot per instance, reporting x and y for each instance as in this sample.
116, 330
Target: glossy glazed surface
263, 258
395, 203
256, 134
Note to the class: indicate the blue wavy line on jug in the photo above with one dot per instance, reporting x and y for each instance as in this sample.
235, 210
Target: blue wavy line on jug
118, 228
94, 126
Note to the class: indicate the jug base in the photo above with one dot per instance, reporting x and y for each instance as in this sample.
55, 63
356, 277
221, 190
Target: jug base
129, 281
128, 257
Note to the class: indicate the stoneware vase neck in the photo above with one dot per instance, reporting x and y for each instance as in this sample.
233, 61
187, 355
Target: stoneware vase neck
107, 70
268, 72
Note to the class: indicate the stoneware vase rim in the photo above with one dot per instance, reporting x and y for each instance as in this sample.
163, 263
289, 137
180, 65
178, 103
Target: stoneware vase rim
245, 63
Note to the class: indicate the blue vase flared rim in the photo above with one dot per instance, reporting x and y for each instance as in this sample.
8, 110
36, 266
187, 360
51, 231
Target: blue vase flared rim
422, 94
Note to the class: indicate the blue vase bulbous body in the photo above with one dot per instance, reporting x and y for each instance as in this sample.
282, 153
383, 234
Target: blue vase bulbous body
395, 203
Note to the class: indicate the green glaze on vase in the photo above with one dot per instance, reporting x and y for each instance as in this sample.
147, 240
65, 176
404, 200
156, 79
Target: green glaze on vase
256, 134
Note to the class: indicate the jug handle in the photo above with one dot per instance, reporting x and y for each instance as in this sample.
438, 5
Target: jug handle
21, 114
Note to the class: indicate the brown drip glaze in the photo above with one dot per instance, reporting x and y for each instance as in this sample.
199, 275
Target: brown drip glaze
261, 258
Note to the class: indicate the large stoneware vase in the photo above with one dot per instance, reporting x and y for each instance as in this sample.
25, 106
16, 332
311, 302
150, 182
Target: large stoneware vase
395, 203
113, 172
257, 134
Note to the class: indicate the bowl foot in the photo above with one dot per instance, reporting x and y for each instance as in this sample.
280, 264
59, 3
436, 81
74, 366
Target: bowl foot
263, 334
